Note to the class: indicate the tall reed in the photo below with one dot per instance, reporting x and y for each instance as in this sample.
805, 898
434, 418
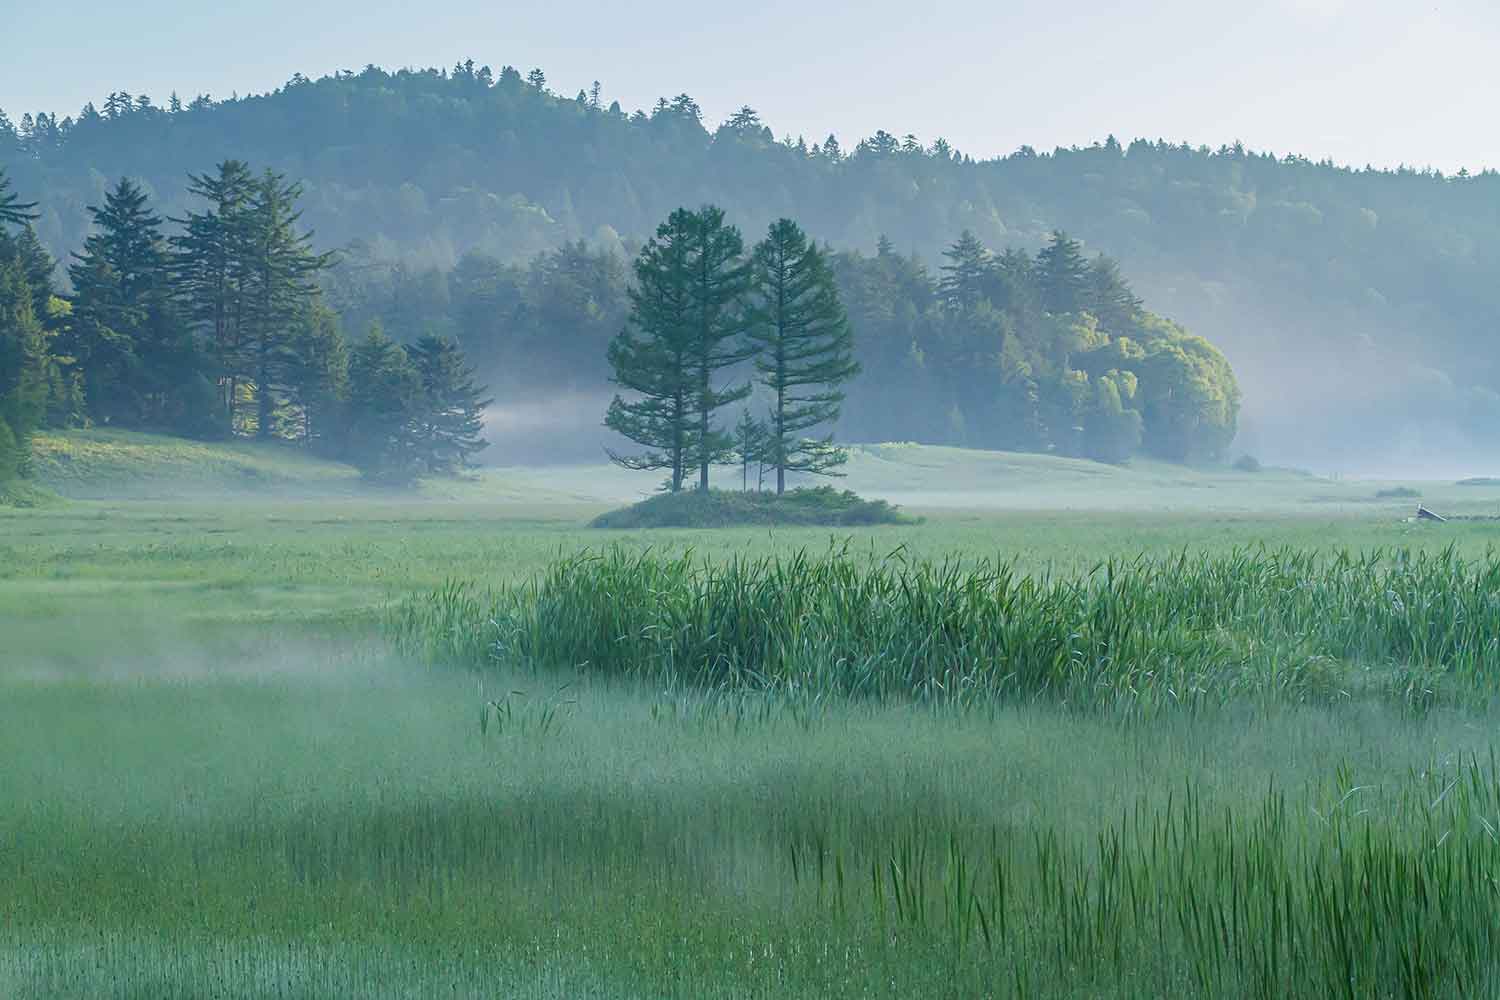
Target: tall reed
1142, 633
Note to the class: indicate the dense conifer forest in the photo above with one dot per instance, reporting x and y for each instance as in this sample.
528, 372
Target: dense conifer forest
483, 206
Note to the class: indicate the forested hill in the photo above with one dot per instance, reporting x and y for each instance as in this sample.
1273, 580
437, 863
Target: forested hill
1358, 307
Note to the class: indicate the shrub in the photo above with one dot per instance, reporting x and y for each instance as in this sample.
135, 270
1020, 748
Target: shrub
1247, 463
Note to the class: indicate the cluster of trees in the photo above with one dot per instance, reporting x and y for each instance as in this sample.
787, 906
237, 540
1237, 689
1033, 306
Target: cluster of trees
701, 306
1378, 282
218, 329
1049, 352
1046, 352
26, 305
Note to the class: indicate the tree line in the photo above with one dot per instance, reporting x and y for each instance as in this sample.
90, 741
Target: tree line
1376, 283
217, 329
1051, 352
225, 321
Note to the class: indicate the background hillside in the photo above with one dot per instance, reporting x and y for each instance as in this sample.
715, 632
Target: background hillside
1356, 306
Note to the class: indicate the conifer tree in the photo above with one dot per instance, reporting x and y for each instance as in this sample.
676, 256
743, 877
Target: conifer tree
280, 277
1108, 296
651, 356
750, 438
719, 281
1063, 274
384, 393
968, 263
316, 376
13, 212
804, 350
210, 262
124, 330
450, 416
24, 362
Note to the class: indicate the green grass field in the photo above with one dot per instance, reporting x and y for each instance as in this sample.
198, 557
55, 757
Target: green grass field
218, 779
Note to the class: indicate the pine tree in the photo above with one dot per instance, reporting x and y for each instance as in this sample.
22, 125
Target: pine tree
316, 376
968, 263
280, 277
719, 280
13, 212
804, 350
124, 330
650, 356
450, 417
385, 392
750, 444
1063, 274
210, 263
23, 363
1108, 296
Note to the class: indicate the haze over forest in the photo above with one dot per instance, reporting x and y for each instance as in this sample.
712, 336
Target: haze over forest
1356, 306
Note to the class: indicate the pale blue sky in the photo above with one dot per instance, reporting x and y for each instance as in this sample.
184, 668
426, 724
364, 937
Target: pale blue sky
1378, 81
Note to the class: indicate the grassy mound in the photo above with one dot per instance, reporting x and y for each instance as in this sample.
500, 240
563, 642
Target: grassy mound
722, 509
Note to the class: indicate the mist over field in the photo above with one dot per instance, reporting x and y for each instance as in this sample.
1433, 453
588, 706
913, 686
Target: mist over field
464, 537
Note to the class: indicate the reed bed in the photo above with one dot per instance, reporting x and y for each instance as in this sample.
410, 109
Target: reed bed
1339, 891
1138, 634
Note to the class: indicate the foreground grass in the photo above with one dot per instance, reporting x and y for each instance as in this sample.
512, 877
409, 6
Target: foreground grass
324, 820
215, 783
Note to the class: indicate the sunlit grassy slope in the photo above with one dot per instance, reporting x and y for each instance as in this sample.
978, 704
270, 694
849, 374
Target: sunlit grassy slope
110, 464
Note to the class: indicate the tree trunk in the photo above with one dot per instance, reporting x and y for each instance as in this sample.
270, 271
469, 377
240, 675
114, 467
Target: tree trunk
703, 432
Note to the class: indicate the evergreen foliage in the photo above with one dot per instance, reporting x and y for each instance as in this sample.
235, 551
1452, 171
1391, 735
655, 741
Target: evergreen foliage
220, 329
718, 284
751, 447
1268, 256
449, 422
803, 350
384, 397
652, 356
13, 212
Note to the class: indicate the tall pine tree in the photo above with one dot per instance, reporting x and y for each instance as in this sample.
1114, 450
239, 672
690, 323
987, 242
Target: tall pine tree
24, 360
1063, 274
719, 281
385, 390
804, 350
210, 268
125, 332
450, 418
651, 356
281, 272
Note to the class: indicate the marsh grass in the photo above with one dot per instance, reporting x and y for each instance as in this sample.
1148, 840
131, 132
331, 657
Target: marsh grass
215, 781
277, 837
1139, 634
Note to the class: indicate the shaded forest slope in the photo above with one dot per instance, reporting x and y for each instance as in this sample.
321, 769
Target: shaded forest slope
1355, 305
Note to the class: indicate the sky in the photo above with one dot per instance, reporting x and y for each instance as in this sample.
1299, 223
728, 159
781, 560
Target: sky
1379, 82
